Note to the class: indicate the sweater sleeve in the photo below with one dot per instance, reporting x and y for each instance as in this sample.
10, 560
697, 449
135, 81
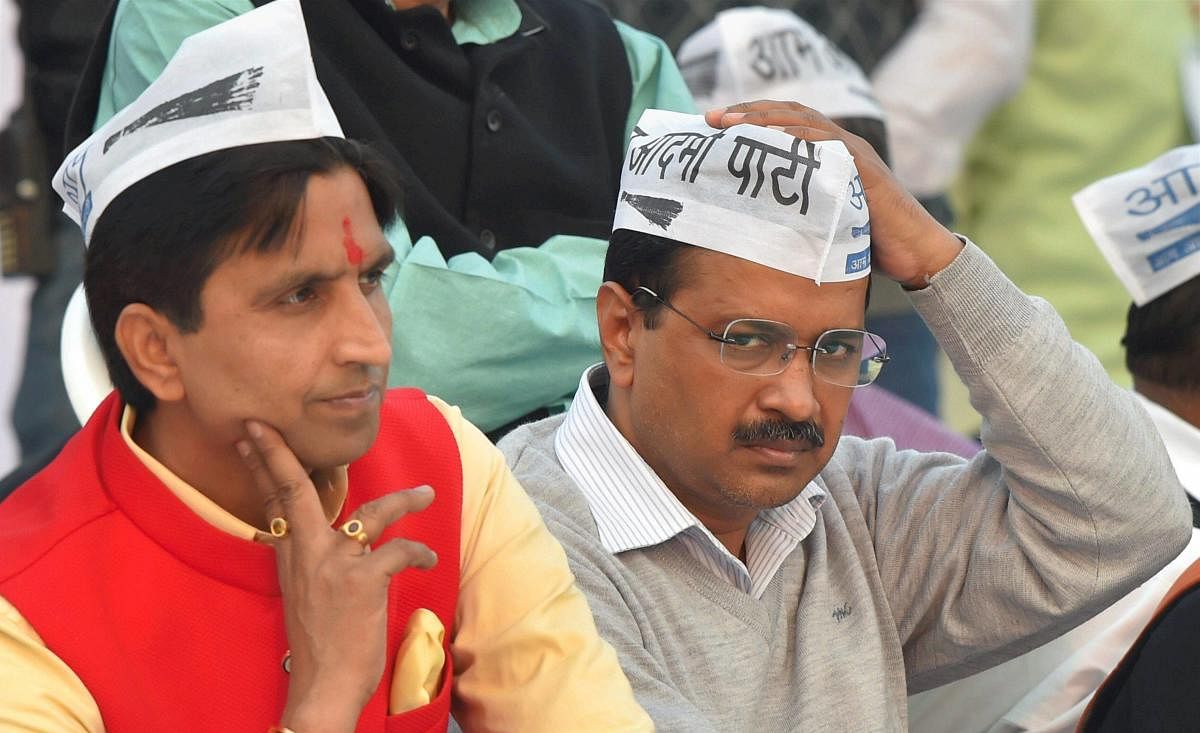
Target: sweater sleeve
1072, 503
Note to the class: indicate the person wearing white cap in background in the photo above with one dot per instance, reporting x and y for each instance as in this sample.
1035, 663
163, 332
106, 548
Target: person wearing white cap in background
233, 540
755, 569
506, 120
1146, 222
765, 53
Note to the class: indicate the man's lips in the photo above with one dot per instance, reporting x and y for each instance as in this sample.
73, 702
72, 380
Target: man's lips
780, 448
352, 397
781, 454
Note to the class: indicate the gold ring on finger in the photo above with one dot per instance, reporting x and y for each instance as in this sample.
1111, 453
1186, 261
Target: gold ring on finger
355, 530
278, 527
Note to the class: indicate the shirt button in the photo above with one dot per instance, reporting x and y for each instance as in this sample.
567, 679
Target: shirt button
409, 40
494, 120
488, 239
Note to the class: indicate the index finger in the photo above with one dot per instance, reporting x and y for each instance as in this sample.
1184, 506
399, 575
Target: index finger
284, 485
766, 112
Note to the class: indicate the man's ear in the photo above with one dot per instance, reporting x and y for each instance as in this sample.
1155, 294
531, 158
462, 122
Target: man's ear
620, 323
142, 335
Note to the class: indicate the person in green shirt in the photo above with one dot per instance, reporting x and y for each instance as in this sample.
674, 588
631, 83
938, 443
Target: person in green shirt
1103, 95
498, 318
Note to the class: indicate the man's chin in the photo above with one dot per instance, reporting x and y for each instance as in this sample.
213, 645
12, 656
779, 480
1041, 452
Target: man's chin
325, 450
770, 488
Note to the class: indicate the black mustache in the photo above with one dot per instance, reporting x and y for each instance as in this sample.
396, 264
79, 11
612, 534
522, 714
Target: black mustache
773, 430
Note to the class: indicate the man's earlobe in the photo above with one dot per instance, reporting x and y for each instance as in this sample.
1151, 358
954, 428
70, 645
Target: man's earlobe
619, 322
143, 335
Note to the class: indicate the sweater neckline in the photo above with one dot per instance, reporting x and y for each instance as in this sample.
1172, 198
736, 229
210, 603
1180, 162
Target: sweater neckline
758, 614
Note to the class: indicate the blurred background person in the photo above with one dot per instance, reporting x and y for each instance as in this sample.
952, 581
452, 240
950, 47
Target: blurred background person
1146, 223
55, 36
1103, 95
14, 290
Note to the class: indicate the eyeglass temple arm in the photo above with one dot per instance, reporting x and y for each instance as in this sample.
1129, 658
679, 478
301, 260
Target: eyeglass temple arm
681, 314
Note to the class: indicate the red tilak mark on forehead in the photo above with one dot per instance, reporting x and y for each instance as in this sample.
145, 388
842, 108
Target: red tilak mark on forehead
354, 253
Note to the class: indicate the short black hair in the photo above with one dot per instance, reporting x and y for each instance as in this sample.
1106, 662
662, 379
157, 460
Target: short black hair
636, 259
1162, 338
159, 241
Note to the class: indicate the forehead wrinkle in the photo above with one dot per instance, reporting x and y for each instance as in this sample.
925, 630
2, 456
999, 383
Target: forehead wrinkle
374, 251
719, 294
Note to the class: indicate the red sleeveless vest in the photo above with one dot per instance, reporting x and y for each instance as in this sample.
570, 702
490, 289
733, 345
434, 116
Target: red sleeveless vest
171, 623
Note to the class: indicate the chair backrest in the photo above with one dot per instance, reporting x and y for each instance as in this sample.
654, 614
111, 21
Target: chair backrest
84, 372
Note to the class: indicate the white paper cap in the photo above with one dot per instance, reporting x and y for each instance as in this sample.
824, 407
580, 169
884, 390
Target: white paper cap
747, 191
245, 81
765, 53
1147, 222
248, 80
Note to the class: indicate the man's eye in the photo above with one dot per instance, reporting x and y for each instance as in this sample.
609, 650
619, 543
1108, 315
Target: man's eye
298, 297
750, 340
371, 280
838, 349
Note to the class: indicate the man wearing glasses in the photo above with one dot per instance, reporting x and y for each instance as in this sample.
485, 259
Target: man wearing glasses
753, 571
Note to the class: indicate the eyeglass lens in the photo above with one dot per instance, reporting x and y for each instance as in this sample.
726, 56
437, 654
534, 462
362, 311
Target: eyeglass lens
847, 357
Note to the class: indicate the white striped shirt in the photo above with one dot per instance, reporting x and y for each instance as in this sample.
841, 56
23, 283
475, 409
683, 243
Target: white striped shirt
633, 508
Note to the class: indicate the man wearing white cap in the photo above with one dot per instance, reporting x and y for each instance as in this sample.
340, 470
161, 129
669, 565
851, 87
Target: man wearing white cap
757, 573
770, 53
251, 533
1146, 222
506, 120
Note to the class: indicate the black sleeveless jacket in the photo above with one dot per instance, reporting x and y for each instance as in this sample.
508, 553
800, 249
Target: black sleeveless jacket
497, 145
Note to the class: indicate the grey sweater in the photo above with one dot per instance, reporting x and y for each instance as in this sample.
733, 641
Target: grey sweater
922, 568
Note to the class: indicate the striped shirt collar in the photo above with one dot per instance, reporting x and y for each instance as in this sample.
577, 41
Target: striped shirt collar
634, 509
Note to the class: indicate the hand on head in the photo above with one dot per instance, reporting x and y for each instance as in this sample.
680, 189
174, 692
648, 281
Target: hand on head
907, 243
334, 584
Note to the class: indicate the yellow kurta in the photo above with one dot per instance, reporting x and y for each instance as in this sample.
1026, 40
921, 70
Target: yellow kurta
527, 656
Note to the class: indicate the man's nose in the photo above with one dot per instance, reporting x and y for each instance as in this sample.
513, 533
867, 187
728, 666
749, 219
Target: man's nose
791, 393
364, 335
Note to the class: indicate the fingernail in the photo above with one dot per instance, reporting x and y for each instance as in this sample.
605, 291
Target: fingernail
254, 429
732, 118
424, 489
244, 448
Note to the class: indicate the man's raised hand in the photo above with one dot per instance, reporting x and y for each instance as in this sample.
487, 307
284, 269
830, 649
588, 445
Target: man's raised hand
334, 584
907, 243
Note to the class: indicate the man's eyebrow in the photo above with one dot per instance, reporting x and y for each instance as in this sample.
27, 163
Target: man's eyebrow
295, 281
315, 277
386, 257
